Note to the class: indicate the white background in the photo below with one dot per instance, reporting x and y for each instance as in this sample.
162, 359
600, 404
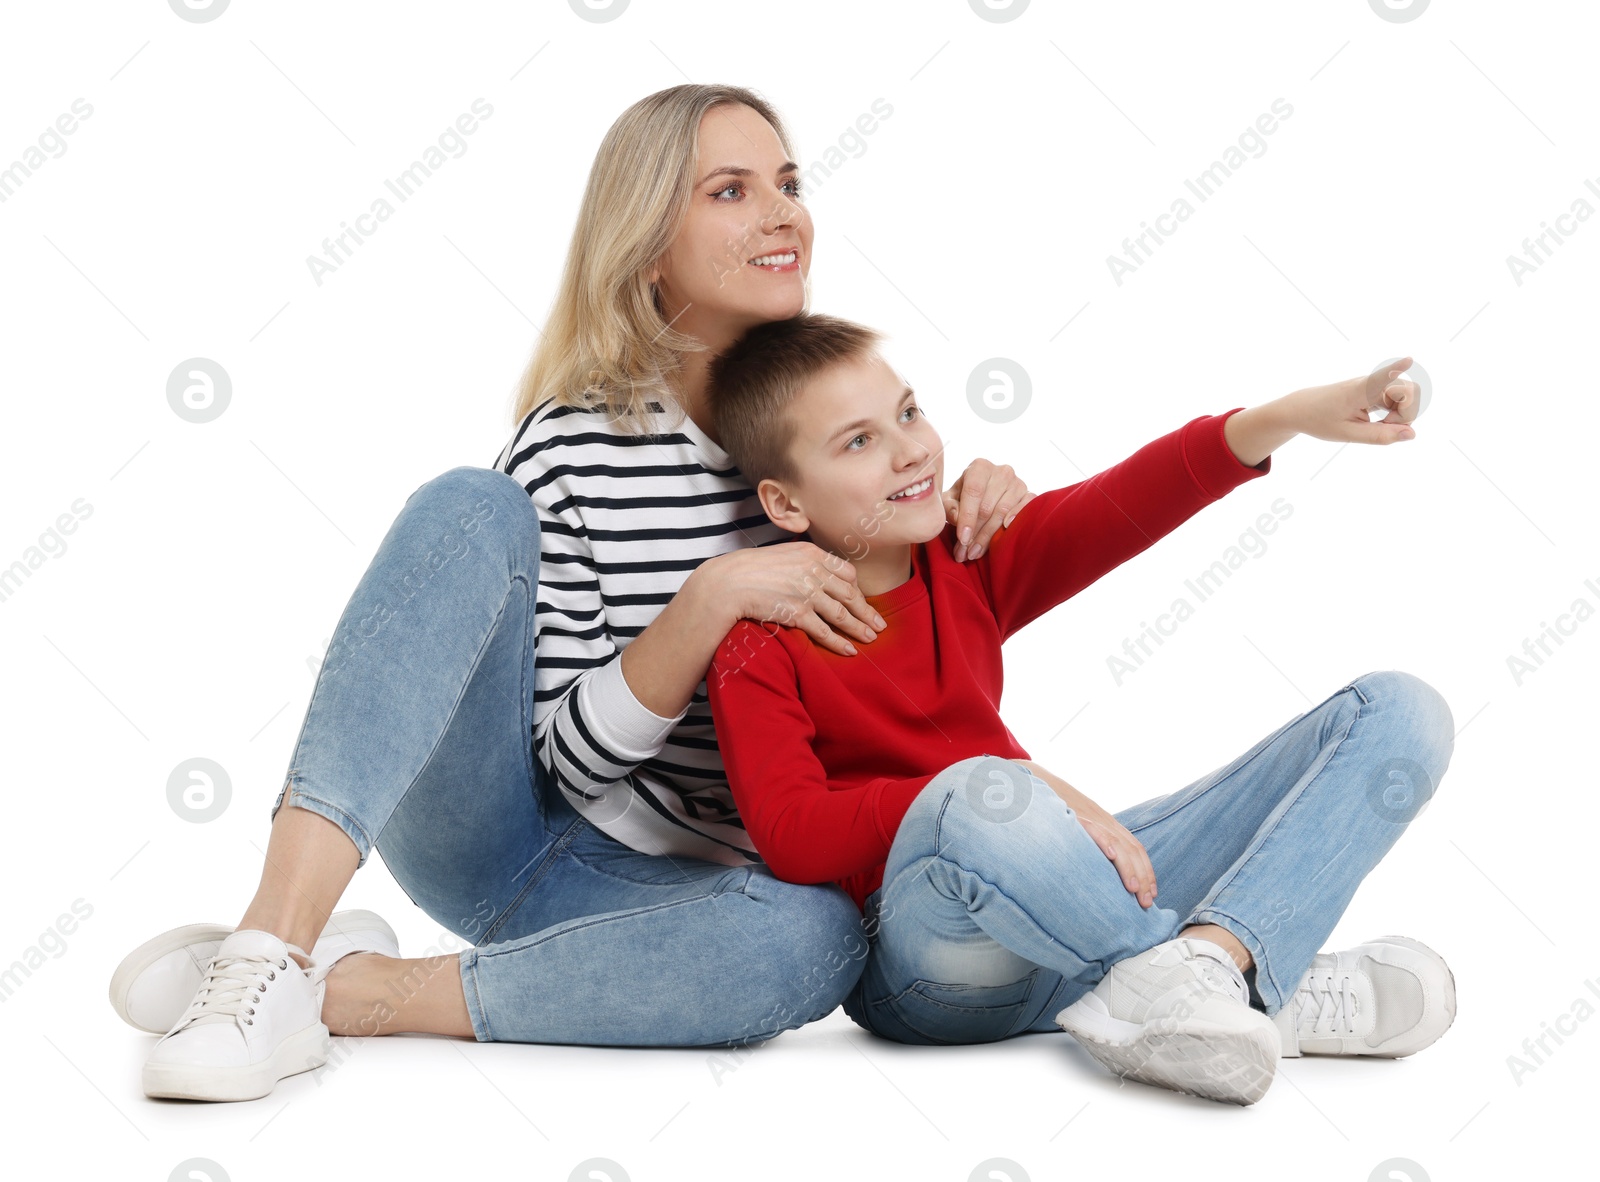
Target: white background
187, 614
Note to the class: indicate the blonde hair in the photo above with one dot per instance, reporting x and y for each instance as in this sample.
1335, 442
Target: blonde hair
606, 341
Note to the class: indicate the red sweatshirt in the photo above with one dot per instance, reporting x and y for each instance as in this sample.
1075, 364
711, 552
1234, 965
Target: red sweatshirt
825, 752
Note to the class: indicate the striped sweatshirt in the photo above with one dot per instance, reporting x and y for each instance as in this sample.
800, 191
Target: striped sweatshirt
623, 521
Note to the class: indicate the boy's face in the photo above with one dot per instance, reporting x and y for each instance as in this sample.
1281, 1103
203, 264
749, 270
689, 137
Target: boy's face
860, 437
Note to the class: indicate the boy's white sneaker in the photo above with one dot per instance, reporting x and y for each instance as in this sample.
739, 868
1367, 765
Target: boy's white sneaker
1178, 1016
154, 984
255, 1018
1388, 997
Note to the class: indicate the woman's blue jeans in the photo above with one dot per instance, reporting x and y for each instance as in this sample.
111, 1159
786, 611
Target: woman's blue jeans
998, 910
418, 741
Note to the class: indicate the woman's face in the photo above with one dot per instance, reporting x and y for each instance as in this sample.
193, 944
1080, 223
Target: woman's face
745, 207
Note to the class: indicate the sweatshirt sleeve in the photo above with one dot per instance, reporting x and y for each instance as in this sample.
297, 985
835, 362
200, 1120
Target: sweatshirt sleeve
804, 829
1063, 540
589, 730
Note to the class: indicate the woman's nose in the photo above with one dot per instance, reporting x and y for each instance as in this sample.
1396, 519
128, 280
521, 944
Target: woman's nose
782, 212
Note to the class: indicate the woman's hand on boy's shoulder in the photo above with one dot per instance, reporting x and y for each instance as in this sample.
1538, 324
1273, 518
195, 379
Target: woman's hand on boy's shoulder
984, 498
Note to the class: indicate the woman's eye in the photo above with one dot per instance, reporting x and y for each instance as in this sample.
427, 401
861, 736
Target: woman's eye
736, 187
854, 439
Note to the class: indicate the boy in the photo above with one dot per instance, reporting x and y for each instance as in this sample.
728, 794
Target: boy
889, 771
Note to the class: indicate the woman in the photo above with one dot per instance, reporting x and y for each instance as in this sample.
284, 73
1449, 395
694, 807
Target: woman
566, 814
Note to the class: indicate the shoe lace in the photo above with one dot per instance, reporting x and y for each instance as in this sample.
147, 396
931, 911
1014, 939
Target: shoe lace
231, 988
1329, 1004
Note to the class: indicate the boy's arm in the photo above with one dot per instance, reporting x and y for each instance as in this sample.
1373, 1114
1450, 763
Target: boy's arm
1065, 539
805, 831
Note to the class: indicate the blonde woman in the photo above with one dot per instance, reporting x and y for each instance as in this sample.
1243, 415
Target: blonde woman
513, 708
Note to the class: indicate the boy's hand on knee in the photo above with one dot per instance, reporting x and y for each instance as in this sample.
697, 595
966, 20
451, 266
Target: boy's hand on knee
1126, 853
1121, 847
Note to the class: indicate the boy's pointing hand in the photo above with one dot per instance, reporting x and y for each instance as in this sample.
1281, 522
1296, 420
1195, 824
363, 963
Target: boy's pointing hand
1340, 412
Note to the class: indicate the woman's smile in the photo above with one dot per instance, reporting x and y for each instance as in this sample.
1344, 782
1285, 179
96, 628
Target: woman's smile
777, 261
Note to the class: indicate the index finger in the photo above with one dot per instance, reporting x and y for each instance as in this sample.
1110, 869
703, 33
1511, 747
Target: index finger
848, 592
972, 490
858, 606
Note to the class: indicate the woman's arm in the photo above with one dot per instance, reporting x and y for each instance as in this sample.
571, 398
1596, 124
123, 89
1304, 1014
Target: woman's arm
668, 660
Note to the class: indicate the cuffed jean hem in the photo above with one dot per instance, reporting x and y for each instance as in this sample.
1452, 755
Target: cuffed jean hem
468, 959
326, 808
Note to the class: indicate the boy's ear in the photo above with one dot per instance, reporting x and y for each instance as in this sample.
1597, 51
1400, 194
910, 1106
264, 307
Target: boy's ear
783, 510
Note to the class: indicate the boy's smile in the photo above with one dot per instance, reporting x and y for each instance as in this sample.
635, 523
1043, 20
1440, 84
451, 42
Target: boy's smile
860, 442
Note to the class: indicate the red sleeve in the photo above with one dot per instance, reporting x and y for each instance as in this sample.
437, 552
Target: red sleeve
803, 829
1063, 540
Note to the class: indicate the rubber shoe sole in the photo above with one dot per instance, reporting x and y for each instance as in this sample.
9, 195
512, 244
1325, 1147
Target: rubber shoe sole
1232, 1062
299, 1052
152, 987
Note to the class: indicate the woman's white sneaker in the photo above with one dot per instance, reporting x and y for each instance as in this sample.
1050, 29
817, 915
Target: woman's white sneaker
1178, 1016
255, 1019
154, 984
1388, 997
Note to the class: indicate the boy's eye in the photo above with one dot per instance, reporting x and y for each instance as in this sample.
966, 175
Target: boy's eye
910, 410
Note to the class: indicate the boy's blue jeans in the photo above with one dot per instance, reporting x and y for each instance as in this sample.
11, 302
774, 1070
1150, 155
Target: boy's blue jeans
417, 742
998, 910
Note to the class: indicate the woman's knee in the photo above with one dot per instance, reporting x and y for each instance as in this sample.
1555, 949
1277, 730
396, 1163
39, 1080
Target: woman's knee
466, 483
484, 505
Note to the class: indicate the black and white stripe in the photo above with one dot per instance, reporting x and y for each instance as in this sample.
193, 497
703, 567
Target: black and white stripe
623, 521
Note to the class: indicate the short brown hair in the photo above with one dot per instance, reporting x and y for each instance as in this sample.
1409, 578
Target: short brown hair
752, 384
